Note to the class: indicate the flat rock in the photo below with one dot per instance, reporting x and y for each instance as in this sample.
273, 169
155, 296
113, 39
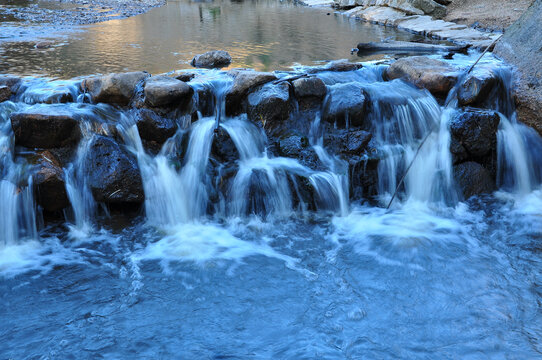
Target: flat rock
49, 184
434, 75
164, 91
113, 173
476, 131
212, 60
409, 7
473, 179
117, 89
336, 65
382, 15
46, 126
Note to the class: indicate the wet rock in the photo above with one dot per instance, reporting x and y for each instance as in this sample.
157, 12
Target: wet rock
12, 82
348, 142
48, 96
49, 184
153, 127
476, 131
309, 92
243, 82
298, 147
5, 93
459, 153
113, 172
223, 148
476, 87
186, 76
473, 179
115, 89
345, 105
363, 175
164, 91
270, 106
212, 60
434, 75
336, 65
46, 126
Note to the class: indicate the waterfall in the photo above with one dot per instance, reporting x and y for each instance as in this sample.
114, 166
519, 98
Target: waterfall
18, 211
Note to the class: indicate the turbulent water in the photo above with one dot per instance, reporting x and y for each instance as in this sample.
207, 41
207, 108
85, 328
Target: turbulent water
255, 274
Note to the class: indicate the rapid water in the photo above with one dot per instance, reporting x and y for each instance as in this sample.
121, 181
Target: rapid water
242, 268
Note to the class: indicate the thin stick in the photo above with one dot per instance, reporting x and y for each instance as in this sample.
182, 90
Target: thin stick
486, 50
408, 168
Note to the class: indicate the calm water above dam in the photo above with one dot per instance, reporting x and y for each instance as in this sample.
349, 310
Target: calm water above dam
264, 35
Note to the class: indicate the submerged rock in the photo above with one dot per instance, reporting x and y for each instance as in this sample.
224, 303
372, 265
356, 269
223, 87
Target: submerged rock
270, 105
113, 173
164, 91
345, 105
115, 89
153, 127
46, 126
309, 92
476, 131
476, 88
434, 75
212, 60
49, 184
244, 81
473, 179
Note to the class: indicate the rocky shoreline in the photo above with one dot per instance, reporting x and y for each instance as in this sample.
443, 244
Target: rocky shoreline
281, 106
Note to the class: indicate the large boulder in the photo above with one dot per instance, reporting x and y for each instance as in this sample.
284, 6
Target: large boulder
243, 82
46, 126
270, 106
521, 46
165, 91
212, 60
153, 127
345, 105
476, 131
309, 92
434, 75
475, 89
113, 173
473, 179
117, 89
49, 184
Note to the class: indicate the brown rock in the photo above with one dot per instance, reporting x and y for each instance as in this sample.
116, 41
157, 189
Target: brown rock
115, 89
49, 184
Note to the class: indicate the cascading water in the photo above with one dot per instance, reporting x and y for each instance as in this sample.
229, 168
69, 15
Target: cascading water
17, 213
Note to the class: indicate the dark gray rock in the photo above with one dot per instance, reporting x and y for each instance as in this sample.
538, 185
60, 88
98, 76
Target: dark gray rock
309, 92
476, 87
476, 131
345, 103
223, 149
348, 142
336, 65
113, 172
49, 184
46, 126
212, 60
115, 89
270, 106
297, 147
434, 75
473, 179
164, 91
5, 93
459, 153
153, 127
243, 82
521, 46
